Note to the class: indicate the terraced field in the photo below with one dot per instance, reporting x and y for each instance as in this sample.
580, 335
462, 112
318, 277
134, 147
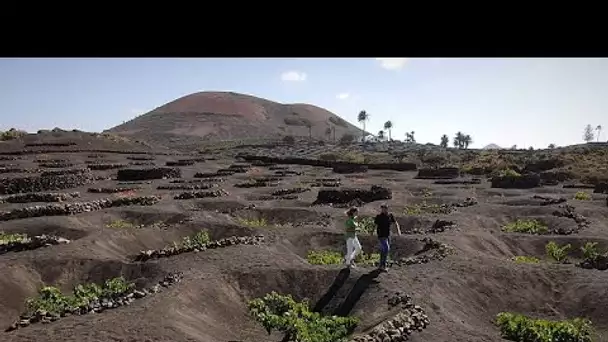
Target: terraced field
180, 246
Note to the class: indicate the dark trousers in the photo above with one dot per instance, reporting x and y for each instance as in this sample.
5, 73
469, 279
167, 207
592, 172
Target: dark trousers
384, 249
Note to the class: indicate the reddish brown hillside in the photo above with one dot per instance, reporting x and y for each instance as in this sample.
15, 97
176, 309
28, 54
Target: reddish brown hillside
226, 116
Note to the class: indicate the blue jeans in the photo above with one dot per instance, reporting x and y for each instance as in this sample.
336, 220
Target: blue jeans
384, 249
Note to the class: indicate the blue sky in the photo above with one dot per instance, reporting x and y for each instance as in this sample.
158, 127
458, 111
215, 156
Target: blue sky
528, 102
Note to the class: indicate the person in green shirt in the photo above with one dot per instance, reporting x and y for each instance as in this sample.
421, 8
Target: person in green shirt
353, 246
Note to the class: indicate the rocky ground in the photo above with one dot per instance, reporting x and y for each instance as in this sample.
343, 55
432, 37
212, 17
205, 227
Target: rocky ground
451, 270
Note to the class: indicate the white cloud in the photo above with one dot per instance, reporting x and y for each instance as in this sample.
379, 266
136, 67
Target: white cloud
392, 63
342, 96
293, 76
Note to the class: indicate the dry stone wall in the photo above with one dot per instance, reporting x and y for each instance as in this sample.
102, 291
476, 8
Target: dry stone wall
97, 305
47, 181
175, 250
32, 243
184, 162
349, 168
76, 207
436, 251
148, 174
471, 181
109, 166
112, 190
56, 165
411, 318
39, 197
527, 181
439, 173
601, 188
326, 163
187, 186
375, 193
201, 194
568, 211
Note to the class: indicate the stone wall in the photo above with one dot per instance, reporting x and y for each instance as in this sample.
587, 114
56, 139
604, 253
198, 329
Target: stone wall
75, 208
601, 188
39, 197
200, 194
348, 168
439, 173
109, 166
148, 174
183, 162
327, 163
375, 193
47, 181
527, 181
112, 190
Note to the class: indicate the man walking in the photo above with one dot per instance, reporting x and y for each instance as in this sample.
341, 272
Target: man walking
383, 231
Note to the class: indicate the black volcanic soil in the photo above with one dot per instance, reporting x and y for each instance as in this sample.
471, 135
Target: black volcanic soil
461, 294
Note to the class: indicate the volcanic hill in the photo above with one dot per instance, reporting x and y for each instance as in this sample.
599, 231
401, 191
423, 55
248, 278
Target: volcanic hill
214, 116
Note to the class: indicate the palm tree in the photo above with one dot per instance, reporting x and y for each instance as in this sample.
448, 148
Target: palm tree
459, 140
467, 141
444, 141
362, 118
381, 135
599, 130
388, 126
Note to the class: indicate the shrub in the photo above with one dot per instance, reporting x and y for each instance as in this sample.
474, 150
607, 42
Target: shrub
120, 224
6, 238
367, 225
582, 196
254, 223
522, 259
324, 258
517, 327
508, 173
51, 300
425, 208
199, 239
557, 253
283, 313
327, 257
590, 251
11, 134
526, 226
